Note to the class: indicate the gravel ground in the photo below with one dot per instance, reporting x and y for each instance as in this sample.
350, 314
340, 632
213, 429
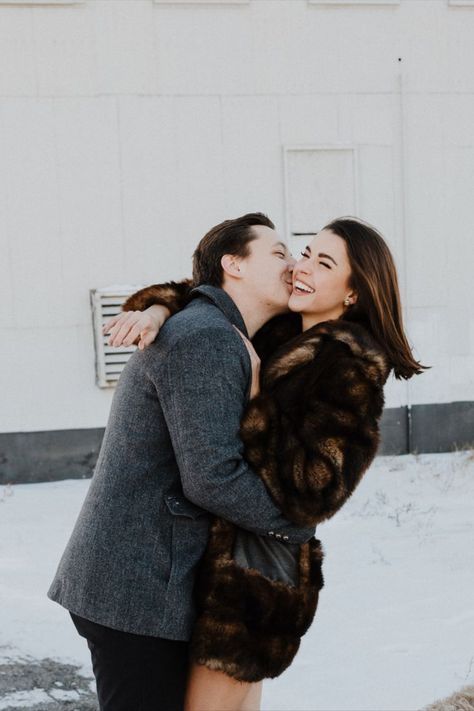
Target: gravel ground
44, 685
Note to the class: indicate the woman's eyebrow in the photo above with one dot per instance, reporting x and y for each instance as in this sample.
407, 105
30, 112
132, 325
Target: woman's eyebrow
328, 256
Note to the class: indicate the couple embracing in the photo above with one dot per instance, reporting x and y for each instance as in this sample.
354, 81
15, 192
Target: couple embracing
193, 569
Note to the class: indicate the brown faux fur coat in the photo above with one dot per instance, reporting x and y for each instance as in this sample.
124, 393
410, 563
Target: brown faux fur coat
310, 434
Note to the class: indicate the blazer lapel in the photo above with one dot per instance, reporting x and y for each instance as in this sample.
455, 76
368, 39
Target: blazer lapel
223, 302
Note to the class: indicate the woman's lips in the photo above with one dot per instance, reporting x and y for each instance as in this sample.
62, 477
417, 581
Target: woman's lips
299, 287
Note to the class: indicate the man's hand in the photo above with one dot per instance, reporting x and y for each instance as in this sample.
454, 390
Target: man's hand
136, 327
255, 362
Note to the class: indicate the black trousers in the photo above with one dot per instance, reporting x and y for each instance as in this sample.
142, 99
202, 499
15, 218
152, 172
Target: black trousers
135, 672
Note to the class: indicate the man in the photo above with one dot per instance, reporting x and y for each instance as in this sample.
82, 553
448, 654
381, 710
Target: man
171, 456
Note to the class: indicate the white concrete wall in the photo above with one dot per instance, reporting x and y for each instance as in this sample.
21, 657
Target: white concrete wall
128, 128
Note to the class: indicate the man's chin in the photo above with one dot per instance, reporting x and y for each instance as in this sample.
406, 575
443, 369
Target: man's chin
280, 306
282, 309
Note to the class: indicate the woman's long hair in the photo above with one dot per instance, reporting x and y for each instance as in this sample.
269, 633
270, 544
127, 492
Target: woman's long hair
378, 306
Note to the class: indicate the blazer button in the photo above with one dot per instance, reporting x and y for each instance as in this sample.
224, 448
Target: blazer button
285, 538
271, 533
277, 535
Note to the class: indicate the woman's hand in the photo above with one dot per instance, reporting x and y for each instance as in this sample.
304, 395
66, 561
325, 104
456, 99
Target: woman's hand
136, 327
255, 362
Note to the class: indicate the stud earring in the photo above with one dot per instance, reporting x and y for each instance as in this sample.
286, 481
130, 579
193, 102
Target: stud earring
346, 301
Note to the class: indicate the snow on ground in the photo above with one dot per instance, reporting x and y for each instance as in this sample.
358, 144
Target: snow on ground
394, 628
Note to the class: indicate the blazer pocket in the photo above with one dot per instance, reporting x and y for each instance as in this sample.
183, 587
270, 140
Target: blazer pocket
179, 506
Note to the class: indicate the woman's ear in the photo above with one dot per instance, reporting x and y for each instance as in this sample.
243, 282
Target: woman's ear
350, 299
231, 265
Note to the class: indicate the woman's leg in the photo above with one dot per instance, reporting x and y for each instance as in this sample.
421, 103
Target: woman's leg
209, 690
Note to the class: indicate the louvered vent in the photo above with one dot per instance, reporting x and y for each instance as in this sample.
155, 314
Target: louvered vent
109, 362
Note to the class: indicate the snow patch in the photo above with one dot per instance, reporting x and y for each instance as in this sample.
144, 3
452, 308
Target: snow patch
395, 623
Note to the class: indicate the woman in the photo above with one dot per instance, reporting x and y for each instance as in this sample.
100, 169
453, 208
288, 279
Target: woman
310, 433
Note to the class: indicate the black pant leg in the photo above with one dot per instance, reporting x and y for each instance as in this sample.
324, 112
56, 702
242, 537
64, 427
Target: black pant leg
135, 672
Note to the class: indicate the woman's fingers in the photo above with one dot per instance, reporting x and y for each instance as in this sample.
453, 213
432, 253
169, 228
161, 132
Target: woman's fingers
147, 337
132, 327
248, 343
255, 364
142, 333
133, 335
122, 328
110, 323
113, 325
119, 332
125, 328
252, 352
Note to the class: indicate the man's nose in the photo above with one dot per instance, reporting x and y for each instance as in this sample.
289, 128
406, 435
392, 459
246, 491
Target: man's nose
291, 263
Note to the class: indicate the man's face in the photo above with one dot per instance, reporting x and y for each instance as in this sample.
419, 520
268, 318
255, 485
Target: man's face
266, 272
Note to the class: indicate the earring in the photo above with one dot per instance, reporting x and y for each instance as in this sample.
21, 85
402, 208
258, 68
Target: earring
347, 301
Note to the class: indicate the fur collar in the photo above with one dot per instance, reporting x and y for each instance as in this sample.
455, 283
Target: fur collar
305, 347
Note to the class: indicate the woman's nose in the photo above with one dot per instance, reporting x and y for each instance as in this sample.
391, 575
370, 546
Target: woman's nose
302, 266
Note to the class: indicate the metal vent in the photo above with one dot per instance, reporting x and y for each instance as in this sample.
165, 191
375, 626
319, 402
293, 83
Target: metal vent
109, 362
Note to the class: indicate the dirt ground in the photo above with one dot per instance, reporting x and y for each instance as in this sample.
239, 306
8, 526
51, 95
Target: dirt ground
60, 686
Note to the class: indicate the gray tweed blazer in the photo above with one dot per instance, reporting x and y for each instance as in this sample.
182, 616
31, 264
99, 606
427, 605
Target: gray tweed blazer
170, 457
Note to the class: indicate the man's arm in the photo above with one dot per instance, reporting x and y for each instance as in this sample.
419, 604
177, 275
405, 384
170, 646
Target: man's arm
202, 387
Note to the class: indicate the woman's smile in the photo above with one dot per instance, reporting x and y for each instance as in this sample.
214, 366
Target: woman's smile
300, 287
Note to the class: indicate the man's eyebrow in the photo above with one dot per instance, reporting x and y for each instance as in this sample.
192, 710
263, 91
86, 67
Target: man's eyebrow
280, 244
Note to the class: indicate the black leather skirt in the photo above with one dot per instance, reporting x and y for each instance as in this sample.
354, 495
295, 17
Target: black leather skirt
274, 559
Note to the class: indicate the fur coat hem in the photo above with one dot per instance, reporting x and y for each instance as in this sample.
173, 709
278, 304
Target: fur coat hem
250, 626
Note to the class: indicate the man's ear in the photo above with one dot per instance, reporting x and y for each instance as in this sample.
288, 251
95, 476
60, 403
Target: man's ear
231, 265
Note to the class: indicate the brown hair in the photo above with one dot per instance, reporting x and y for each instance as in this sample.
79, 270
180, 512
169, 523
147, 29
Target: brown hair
374, 278
230, 237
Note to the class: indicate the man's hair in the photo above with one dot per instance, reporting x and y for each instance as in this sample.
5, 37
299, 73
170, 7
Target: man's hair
230, 237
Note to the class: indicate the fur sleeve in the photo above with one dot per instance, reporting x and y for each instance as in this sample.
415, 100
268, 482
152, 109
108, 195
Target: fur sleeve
312, 436
173, 294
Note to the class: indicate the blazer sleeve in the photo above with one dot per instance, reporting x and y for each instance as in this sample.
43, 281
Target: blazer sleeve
312, 436
172, 294
202, 387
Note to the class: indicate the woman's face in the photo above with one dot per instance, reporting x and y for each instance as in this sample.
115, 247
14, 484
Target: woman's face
321, 279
